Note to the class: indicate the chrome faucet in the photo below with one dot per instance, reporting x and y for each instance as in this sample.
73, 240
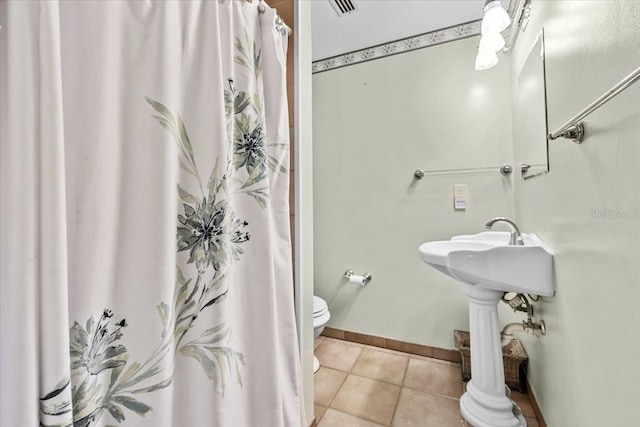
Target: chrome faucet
516, 238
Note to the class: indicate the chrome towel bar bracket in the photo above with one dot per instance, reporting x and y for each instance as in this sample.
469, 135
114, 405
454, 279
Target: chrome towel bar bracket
574, 129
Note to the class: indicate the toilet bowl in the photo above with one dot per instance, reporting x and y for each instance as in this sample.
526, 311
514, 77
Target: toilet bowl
321, 316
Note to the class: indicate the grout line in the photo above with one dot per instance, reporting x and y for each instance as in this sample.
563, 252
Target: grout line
402, 387
350, 413
338, 390
373, 348
433, 393
364, 347
358, 358
406, 371
350, 372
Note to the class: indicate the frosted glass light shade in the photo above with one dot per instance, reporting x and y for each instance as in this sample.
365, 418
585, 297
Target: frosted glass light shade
486, 60
496, 19
492, 42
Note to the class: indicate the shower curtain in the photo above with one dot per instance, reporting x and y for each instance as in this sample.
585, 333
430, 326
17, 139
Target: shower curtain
146, 275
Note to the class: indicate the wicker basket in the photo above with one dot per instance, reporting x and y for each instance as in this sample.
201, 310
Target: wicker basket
514, 358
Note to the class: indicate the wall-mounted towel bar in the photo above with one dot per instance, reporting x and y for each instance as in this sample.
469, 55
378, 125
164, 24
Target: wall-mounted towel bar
573, 129
505, 169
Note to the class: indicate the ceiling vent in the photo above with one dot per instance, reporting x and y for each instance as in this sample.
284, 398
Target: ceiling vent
343, 7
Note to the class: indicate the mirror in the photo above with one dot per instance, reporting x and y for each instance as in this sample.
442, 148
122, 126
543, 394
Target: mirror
533, 148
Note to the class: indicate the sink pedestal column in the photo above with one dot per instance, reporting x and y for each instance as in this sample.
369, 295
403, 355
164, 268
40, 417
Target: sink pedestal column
485, 403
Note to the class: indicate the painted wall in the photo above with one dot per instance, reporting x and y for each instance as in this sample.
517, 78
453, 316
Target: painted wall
374, 123
585, 371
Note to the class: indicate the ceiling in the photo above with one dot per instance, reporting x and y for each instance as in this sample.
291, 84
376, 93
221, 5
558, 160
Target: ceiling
381, 21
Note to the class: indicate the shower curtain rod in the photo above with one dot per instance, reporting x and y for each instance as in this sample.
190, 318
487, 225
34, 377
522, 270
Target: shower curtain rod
573, 129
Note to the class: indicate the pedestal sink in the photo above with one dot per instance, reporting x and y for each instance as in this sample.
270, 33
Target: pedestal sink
487, 265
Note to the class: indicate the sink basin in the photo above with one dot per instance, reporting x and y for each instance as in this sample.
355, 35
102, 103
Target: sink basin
487, 265
487, 260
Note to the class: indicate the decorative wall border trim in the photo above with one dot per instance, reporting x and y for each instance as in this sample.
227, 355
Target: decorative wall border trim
433, 38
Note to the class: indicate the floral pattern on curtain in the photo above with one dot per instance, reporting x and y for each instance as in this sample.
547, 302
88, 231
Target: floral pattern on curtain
226, 192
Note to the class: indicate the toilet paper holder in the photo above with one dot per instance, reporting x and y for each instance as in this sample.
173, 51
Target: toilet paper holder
354, 278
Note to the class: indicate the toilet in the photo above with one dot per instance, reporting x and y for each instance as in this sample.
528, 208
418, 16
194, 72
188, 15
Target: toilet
321, 316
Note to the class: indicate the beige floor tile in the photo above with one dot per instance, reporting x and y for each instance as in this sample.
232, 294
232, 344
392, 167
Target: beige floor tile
434, 377
326, 383
333, 418
522, 400
318, 411
381, 366
318, 341
338, 354
366, 398
420, 409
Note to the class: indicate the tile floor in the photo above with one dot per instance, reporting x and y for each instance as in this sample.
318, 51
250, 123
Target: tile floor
363, 386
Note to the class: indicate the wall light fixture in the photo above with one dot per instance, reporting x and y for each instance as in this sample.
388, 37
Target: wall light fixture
494, 22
